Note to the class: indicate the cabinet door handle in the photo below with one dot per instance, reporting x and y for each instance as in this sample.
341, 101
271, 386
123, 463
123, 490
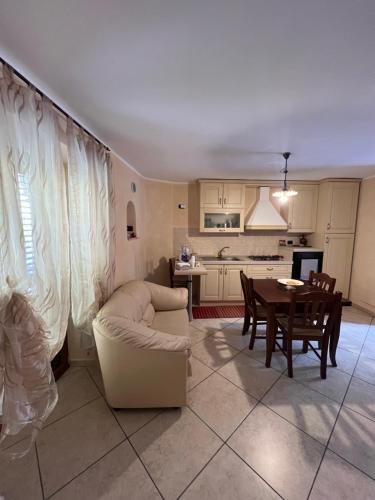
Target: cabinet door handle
225, 201
269, 268
221, 230
327, 240
220, 200
221, 271
329, 225
289, 225
226, 271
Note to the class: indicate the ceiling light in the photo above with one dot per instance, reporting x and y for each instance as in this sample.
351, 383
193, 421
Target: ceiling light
285, 193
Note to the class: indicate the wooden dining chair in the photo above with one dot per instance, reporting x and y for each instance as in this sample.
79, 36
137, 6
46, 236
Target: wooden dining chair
253, 310
176, 281
322, 281
309, 326
325, 283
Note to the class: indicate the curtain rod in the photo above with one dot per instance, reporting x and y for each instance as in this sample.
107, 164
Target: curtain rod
67, 115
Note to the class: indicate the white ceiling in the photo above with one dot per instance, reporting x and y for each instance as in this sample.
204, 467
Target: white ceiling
207, 88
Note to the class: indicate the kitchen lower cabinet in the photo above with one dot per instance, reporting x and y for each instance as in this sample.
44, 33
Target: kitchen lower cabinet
232, 289
222, 283
270, 271
212, 284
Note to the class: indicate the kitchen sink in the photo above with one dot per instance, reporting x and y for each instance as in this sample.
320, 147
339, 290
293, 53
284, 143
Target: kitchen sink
226, 257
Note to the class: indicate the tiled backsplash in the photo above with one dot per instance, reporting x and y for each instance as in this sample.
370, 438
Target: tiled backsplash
243, 244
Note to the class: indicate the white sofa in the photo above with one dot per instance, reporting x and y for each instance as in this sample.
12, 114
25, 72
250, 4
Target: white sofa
143, 343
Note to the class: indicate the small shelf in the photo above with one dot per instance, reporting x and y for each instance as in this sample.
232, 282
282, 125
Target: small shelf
131, 221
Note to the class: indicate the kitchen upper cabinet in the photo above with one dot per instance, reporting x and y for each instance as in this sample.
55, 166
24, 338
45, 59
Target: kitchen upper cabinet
232, 289
233, 195
222, 195
218, 220
211, 194
337, 207
302, 209
212, 284
337, 259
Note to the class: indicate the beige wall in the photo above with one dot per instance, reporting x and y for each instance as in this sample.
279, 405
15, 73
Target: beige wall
362, 290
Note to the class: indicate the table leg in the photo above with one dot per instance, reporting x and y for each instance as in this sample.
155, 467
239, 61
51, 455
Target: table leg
334, 339
190, 296
270, 333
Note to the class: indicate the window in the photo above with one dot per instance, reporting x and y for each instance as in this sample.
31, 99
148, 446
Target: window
26, 214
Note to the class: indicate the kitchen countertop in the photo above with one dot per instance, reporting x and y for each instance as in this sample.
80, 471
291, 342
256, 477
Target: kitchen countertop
242, 259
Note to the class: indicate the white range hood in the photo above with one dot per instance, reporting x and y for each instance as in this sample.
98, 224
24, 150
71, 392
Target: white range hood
264, 215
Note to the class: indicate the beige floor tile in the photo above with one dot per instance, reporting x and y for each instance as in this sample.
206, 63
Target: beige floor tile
284, 456
174, 447
197, 335
368, 349
353, 315
210, 326
306, 409
354, 440
119, 474
250, 375
338, 480
278, 362
351, 340
96, 375
19, 479
361, 398
233, 336
365, 369
307, 371
227, 477
213, 353
132, 420
75, 388
197, 371
68, 446
220, 404
346, 360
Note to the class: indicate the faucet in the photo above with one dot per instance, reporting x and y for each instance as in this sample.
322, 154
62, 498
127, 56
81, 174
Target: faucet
220, 253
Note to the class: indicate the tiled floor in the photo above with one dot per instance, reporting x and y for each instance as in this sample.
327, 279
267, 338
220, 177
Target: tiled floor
247, 433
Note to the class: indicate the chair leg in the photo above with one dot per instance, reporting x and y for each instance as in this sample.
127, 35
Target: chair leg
253, 334
323, 358
289, 353
305, 346
246, 324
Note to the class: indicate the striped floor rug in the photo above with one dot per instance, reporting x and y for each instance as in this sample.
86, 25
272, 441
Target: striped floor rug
207, 312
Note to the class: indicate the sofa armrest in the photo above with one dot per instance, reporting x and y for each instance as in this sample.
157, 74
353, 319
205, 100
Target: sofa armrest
167, 299
138, 336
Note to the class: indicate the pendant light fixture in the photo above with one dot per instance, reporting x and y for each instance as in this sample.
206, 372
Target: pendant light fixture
285, 193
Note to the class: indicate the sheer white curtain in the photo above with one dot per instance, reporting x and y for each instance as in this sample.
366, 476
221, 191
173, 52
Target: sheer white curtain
91, 228
56, 248
34, 256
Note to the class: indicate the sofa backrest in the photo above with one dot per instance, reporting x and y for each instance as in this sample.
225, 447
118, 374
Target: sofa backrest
131, 301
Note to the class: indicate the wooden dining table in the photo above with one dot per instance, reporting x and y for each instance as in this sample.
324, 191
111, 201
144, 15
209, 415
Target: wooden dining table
276, 298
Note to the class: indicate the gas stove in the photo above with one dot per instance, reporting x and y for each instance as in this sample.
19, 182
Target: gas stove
266, 257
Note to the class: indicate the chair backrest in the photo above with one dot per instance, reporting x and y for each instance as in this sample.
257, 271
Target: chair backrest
248, 291
322, 281
316, 305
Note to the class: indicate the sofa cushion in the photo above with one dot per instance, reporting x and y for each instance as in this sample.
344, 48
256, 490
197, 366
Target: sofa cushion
174, 322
